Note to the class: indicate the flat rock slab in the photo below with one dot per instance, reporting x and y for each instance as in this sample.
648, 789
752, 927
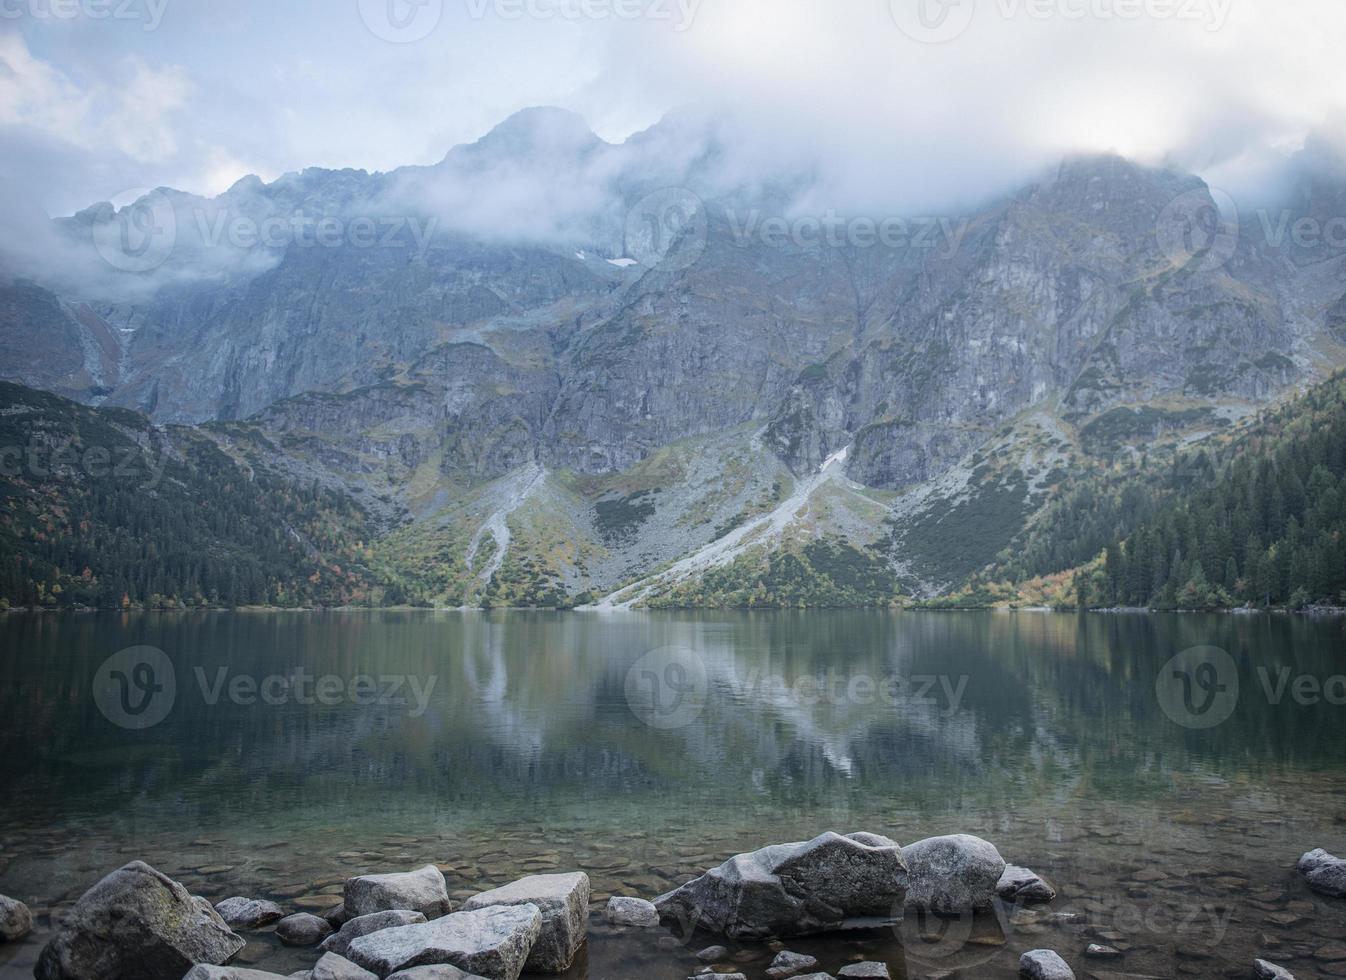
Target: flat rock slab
563, 900
137, 923
422, 890
207, 972
956, 873
439, 972
624, 911
868, 970
1324, 872
492, 942
363, 925
793, 889
248, 913
1263, 970
1044, 964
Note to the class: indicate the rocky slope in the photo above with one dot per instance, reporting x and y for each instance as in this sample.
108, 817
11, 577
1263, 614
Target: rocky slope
527, 381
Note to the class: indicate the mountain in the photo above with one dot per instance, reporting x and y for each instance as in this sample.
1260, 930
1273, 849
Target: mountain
551, 369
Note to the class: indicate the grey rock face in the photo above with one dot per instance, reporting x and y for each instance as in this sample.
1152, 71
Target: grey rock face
956, 873
491, 942
248, 913
1263, 970
563, 900
136, 923
1324, 872
363, 925
303, 929
334, 967
16, 921
205, 972
792, 889
422, 890
1044, 964
624, 911
1021, 885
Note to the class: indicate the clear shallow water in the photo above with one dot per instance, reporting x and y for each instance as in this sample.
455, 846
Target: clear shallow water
539, 741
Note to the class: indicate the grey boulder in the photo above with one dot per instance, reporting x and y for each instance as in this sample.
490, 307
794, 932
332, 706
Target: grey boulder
248, 913
1324, 873
789, 964
1044, 964
207, 972
793, 889
563, 900
16, 921
303, 929
422, 890
334, 967
136, 923
624, 911
492, 942
1018, 884
957, 873
340, 941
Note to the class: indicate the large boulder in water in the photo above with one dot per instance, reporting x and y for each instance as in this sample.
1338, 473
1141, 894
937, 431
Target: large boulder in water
563, 900
363, 925
136, 923
794, 889
16, 921
1324, 873
422, 890
957, 873
491, 942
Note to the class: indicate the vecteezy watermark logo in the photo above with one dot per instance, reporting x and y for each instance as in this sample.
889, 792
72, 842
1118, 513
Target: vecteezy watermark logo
667, 688
149, 13
941, 235
43, 461
933, 21
140, 236
401, 21
136, 688
1199, 230
1199, 688
939, 21
667, 230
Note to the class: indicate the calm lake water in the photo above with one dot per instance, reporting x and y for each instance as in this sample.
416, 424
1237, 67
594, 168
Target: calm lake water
643, 748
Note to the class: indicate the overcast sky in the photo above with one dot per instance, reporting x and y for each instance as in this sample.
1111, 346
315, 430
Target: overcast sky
937, 97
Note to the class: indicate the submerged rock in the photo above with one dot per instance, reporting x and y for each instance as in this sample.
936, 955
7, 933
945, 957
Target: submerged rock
623, 911
793, 889
16, 921
422, 890
1018, 884
563, 900
1044, 964
491, 942
1324, 872
136, 923
303, 929
956, 873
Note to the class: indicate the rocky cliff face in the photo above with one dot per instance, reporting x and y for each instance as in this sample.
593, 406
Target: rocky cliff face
382, 338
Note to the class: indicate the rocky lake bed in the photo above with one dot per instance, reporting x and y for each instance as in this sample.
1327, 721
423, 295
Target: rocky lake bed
858, 905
